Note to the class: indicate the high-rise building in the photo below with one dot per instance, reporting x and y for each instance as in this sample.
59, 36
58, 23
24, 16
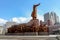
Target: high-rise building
52, 17
57, 19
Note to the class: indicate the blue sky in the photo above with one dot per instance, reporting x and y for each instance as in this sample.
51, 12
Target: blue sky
23, 8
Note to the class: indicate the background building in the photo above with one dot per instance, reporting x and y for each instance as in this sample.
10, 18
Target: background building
52, 17
1, 30
8, 24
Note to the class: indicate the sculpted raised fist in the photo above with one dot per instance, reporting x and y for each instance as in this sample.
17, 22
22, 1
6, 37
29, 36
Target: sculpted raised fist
36, 5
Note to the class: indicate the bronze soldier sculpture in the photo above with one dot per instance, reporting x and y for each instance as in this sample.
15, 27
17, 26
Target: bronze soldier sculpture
34, 15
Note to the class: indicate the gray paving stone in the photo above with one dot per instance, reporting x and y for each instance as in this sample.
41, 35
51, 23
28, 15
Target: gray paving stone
27, 38
51, 38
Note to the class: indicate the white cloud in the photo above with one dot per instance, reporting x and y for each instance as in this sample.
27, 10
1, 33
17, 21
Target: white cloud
15, 19
20, 19
40, 17
2, 21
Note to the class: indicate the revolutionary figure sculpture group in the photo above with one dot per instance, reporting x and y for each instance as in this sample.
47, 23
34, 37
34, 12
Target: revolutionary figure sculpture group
32, 26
